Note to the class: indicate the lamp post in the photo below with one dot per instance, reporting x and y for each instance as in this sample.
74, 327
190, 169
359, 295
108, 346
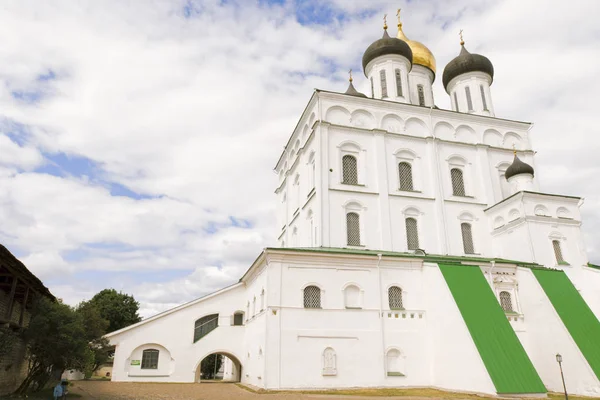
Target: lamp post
559, 361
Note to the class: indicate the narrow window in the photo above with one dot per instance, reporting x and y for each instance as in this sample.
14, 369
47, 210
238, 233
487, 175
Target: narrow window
262, 300
467, 238
421, 95
506, 301
312, 297
150, 359
329, 362
456, 102
349, 170
205, 325
248, 303
394, 367
353, 229
383, 84
412, 234
469, 101
398, 82
395, 298
352, 297
372, 89
311, 175
238, 318
483, 98
458, 182
558, 252
254, 306
405, 174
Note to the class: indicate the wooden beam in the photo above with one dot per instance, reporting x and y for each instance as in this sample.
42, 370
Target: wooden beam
23, 307
11, 300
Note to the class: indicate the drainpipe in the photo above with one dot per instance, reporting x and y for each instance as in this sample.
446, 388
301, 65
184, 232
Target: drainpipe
381, 312
440, 186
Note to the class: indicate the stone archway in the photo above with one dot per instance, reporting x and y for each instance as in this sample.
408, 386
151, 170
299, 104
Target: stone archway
230, 368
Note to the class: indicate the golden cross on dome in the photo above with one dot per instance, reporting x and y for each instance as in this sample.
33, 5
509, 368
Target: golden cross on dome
398, 15
384, 21
462, 41
350, 73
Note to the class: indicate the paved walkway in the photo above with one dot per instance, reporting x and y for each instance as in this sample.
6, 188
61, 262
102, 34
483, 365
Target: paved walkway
105, 390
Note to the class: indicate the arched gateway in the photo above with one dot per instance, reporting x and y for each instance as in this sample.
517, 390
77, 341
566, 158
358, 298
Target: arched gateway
219, 365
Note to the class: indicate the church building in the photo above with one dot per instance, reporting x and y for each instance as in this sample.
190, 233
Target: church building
415, 249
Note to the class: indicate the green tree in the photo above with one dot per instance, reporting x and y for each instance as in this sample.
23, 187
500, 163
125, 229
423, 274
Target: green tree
119, 309
95, 328
56, 339
8, 338
211, 365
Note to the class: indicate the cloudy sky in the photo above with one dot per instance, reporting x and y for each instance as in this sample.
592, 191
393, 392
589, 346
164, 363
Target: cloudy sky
137, 138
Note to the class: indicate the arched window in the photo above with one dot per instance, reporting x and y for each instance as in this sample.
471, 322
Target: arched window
353, 229
469, 101
455, 102
412, 234
421, 94
372, 88
150, 359
312, 297
311, 171
558, 252
262, 300
329, 362
405, 174
384, 93
506, 301
398, 83
467, 238
483, 98
352, 297
349, 170
395, 365
238, 318
395, 298
458, 182
254, 306
205, 325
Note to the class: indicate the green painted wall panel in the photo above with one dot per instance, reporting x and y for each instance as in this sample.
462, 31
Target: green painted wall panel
503, 355
580, 321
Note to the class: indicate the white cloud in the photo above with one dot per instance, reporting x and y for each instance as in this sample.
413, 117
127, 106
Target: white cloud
194, 112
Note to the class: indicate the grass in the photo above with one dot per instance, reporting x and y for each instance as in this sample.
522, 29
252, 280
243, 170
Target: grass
399, 392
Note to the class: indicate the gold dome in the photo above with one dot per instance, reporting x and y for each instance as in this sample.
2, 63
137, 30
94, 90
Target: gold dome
421, 54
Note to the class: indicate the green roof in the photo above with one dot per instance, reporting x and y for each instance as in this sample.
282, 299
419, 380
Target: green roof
427, 257
593, 266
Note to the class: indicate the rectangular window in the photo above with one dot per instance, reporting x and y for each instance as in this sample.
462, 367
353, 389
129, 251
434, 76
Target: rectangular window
398, 82
372, 88
455, 103
384, 93
150, 359
469, 101
467, 237
483, 97
421, 95
353, 229
558, 252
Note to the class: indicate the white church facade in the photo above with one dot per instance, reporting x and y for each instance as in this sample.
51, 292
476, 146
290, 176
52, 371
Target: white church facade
415, 249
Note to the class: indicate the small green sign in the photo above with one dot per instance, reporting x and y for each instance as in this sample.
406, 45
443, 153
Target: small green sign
135, 362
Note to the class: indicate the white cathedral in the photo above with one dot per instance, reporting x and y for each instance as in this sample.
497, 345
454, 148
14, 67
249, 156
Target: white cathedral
415, 249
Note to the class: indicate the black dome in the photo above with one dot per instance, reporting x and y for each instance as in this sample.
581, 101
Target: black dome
466, 62
353, 92
518, 167
386, 45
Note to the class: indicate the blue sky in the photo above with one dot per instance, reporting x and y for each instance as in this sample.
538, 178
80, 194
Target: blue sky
137, 140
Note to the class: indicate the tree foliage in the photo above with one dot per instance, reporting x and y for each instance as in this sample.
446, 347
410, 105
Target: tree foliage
95, 328
210, 365
119, 309
8, 338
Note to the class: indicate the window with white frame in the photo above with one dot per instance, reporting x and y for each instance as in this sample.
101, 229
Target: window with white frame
558, 254
467, 238
238, 318
469, 101
458, 182
412, 233
312, 297
395, 298
205, 325
483, 101
352, 296
406, 176
349, 170
150, 359
455, 102
353, 229
421, 94
506, 301
329, 362
372, 88
398, 83
395, 363
382, 78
